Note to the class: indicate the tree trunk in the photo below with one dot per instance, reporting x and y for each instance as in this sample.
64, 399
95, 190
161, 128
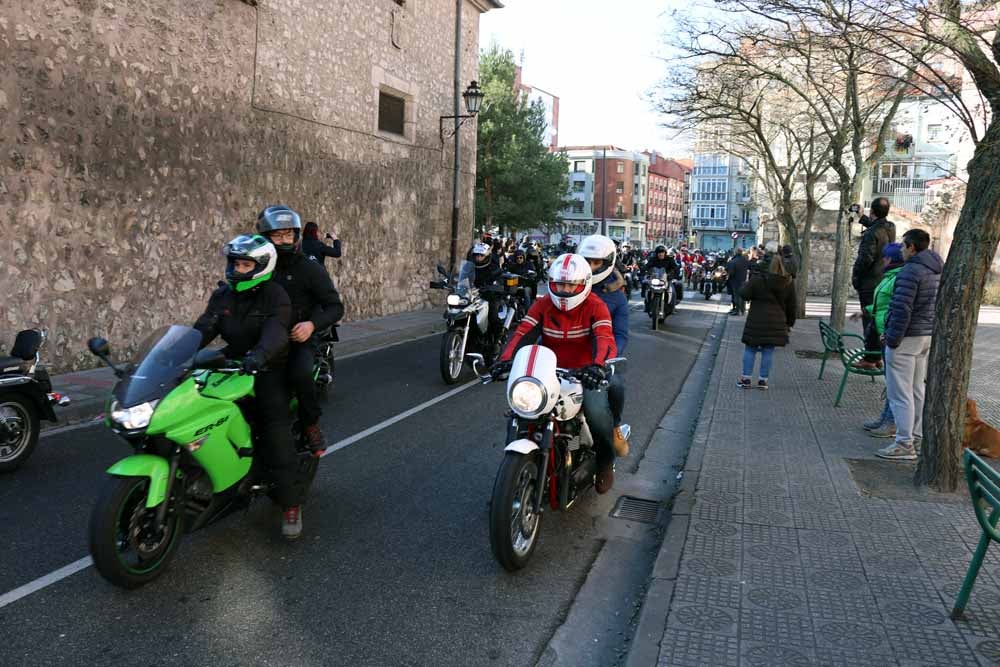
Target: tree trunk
843, 253
956, 315
804, 252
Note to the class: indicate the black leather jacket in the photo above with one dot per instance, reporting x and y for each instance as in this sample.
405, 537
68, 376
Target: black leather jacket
254, 321
313, 296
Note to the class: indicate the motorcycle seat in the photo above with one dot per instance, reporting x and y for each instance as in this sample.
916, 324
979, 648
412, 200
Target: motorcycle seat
12, 364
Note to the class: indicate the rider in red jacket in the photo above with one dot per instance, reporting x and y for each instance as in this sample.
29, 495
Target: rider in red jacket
575, 324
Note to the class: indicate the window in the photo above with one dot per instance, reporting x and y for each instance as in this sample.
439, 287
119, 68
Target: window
578, 207
635, 189
620, 187
635, 168
619, 210
935, 132
579, 186
391, 113
635, 209
710, 189
580, 165
621, 167
643, 170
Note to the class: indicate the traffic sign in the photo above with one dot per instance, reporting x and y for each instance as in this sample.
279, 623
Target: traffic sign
735, 235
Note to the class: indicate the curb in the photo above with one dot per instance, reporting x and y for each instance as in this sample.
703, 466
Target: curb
680, 426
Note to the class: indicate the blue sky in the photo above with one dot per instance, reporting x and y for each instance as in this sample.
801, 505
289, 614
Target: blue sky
599, 57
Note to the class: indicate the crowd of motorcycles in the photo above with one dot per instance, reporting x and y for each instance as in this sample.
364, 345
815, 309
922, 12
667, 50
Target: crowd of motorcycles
183, 411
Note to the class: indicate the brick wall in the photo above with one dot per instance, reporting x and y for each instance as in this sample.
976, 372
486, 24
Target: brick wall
136, 137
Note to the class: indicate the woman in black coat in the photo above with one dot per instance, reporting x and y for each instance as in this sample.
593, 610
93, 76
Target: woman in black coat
772, 300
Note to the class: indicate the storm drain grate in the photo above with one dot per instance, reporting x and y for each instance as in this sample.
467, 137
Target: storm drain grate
636, 509
809, 354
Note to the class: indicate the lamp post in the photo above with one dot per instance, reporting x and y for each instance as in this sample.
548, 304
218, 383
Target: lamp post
473, 97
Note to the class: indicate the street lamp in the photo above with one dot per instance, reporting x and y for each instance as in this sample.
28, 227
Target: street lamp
473, 97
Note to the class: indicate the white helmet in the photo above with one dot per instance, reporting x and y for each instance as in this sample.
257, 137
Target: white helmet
569, 281
597, 246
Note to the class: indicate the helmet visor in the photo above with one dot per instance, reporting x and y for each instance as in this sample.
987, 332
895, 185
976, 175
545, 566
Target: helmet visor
567, 289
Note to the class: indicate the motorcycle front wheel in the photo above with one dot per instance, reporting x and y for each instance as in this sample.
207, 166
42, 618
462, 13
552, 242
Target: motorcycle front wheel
127, 547
514, 525
18, 431
451, 356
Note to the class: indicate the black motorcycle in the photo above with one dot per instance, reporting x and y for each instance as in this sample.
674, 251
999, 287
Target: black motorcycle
26, 397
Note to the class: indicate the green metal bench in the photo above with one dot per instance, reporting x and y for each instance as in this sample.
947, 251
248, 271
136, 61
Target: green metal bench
834, 343
984, 487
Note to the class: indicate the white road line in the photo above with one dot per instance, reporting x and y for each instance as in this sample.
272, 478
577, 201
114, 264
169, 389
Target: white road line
47, 580
82, 564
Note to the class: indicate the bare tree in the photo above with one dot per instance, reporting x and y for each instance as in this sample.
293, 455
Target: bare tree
834, 69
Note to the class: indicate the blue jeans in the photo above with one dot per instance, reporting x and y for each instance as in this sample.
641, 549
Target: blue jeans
750, 358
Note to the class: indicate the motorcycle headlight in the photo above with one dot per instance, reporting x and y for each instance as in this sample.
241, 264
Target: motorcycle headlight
656, 283
137, 416
527, 397
457, 301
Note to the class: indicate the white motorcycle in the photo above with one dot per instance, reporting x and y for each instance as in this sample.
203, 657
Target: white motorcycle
468, 317
549, 454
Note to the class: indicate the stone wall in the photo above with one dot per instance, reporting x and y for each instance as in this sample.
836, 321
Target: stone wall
137, 136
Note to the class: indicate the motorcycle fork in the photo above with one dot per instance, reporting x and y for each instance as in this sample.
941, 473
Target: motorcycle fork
161, 511
465, 334
544, 463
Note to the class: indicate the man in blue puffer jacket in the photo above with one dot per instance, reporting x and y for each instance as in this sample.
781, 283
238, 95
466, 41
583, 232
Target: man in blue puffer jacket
908, 327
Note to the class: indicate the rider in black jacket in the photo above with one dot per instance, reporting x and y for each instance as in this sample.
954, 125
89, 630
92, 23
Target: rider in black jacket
253, 314
316, 306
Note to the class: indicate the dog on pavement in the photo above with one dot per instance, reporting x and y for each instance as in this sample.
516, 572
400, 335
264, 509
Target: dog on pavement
979, 436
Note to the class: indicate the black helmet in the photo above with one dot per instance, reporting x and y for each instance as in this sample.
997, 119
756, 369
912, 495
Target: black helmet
277, 217
660, 248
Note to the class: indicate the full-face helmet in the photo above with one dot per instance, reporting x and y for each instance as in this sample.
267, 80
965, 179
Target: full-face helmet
255, 248
599, 247
570, 281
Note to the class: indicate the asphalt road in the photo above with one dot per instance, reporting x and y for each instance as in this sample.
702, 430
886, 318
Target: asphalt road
395, 565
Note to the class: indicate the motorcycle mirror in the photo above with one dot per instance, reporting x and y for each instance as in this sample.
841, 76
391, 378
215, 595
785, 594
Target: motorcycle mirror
442, 271
209, 359
98, 347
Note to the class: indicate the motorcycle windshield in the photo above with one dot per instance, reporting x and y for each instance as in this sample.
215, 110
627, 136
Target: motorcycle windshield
466, 278
659, 273
161, 362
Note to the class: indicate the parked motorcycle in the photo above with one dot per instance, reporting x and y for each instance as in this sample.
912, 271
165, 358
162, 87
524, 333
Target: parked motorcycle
185, 413
467, 314
26, 397
549, 453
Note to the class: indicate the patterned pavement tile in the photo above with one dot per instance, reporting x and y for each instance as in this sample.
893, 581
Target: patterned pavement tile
770, 534
768, 518
715, 529
980, 621
709, 547
914, 613
720, 484
826, 539
704, 618
930, 646
710, 566
688, 648
775, 655
782, 575
842, 581
818, 559
784, 629
851, 635
989, 650
819, 521
778, 554
909, 588
775, 599
706, 591
835, 606
710, 512
838, 657
878, 564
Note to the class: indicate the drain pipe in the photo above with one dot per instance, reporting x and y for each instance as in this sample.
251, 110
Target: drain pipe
455, 195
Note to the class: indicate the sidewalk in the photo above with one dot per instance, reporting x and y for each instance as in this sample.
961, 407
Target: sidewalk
790, 543
89, 389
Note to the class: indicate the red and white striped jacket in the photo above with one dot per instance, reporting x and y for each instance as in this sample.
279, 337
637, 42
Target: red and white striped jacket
580, 337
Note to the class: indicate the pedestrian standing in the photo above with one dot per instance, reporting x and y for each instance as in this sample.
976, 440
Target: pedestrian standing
771, 294
908, 328
867, 271
315, 249
892, 258
736, 271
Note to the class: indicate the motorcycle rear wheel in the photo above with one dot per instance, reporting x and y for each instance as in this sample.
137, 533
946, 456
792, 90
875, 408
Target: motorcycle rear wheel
21, 427
121, 523
451, 356
514, 526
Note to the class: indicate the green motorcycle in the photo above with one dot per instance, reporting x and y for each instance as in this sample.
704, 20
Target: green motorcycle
188, 415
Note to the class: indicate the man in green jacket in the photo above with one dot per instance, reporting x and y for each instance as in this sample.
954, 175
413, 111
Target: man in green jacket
892, 258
